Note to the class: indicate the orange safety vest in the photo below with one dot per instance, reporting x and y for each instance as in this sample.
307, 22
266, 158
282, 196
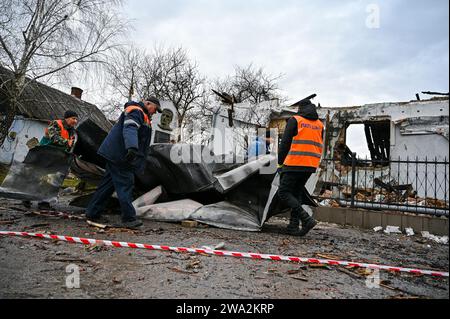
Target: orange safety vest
134, 108
64, 133
307, 145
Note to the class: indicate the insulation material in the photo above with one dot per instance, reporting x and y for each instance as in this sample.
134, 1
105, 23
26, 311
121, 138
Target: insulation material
39, 176
176, 211
228, 216
222, 191
233, 178
148, 198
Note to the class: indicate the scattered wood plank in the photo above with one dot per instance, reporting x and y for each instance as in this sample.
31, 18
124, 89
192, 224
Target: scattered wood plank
181, 271
389, 287
399, 290
332, 257
98, 225
67, 260
401, 297
349, 272
299, 278
293, 272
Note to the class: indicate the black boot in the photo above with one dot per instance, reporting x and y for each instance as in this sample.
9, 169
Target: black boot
26, 203
308, 223
294, 223
132, 224
44, 206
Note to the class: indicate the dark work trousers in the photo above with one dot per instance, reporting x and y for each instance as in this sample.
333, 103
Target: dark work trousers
117, 179
291, 187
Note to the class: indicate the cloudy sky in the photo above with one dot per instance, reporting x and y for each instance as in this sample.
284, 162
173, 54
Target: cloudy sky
335, 48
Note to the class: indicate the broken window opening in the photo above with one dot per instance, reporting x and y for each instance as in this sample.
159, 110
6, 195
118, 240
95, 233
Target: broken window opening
375, 147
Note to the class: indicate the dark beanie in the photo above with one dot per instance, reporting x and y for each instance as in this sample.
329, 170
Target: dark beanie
69, 114
304, 103
153, 100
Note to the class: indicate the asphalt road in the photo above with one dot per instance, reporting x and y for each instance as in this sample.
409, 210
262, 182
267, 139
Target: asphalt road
33, 268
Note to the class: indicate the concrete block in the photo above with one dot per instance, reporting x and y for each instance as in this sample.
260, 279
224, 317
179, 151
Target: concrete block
337, 216
438, 226
355, 218
321, 214
426, 223
372, 219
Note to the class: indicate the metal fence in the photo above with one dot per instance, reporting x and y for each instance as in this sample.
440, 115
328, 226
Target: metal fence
407, 185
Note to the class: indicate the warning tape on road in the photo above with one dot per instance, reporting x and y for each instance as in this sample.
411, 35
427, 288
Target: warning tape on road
256, 256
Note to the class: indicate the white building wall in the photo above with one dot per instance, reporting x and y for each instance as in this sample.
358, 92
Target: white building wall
428, 180
231, 140
16, 148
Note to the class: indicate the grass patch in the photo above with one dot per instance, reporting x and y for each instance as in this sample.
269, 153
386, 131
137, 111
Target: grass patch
3, 172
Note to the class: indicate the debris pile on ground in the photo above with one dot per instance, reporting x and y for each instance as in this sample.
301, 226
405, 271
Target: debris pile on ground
392, 230
149, 274
410, 232
378, 196
381, 194
437, 239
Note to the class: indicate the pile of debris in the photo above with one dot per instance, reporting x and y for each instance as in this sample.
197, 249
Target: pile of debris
214, 190
385, 193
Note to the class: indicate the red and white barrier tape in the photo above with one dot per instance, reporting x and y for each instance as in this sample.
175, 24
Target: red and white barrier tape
86, 241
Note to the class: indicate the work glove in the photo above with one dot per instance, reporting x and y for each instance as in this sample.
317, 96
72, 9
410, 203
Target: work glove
279, 168
132, 153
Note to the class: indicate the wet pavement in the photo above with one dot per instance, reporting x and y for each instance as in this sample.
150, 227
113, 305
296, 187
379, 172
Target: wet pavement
34, 268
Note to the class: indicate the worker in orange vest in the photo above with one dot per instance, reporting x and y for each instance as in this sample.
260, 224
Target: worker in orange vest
61, 133
298, 158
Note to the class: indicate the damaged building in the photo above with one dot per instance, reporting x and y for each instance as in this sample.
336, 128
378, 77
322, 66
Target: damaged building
407, 169
218, 185
38, 105
408, 165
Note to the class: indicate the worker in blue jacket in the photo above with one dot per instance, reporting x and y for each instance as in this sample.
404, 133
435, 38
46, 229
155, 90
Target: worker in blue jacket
125, 150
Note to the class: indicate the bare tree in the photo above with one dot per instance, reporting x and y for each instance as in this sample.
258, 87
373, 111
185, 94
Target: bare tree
123, 76
125, 70
249, 84
39, 38
171, 75
199, 120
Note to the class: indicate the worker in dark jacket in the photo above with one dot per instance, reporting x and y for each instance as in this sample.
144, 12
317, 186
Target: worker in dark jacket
124, 149
298, 158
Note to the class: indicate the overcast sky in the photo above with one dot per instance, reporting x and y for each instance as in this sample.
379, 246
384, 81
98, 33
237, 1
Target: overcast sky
320, 46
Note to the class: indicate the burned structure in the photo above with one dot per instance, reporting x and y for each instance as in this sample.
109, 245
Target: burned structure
408, 168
